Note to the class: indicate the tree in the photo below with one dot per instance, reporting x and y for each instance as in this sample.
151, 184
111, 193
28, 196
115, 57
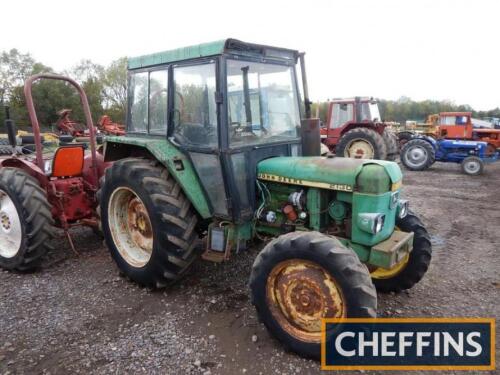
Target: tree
115, 89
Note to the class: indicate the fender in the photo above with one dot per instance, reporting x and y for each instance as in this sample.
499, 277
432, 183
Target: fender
27, 166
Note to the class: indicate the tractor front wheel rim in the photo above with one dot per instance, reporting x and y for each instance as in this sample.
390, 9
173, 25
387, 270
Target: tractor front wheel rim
130, 227
472, 167
359, 149
300, 294
11, 233
416, 156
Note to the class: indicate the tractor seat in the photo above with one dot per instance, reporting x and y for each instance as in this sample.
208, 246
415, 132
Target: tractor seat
68, 161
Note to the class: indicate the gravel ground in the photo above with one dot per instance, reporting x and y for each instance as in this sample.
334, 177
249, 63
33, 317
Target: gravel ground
77, 314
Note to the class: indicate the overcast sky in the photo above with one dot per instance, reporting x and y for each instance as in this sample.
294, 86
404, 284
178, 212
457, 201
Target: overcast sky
436, 49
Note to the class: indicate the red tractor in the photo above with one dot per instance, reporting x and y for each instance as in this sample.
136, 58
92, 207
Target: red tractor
41, 191
354, 129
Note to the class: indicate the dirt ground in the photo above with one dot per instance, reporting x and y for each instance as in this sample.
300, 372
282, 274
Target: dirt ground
77, 314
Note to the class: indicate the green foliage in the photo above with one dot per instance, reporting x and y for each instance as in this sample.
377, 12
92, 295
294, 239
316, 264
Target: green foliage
105, 88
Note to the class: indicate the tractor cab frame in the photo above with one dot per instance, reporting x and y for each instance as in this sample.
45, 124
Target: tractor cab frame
224, 112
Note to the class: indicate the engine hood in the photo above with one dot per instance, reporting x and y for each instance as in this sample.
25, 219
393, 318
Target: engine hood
343, 174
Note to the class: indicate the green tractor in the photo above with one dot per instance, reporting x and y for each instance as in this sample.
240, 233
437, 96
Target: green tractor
216, 155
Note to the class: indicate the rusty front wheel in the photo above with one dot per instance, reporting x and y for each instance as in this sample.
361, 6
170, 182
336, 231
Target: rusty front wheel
301, 278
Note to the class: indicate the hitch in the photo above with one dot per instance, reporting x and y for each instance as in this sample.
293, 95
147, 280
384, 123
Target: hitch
10, 128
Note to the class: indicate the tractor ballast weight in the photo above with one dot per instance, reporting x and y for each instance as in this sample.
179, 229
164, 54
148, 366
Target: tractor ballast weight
214, 157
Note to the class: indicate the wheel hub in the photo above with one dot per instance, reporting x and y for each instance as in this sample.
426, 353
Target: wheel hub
360, 149
10, 227
416, 156
130, 227
300, 294
472, 167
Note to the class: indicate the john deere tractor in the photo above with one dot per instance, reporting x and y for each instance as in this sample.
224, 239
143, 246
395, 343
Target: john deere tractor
216, 155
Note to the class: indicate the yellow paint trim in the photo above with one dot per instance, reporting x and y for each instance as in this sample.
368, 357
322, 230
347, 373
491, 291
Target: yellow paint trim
294, 181
397, 185
492, 365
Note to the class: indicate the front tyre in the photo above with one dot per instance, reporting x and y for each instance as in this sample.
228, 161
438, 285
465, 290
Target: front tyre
300, 278
412, 268
148, 223
472, 166
26, 224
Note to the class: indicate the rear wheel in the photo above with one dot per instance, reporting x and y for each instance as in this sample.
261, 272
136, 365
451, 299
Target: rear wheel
418, 155
391, 143
26, 224
148, 223
362, 143
302, 277
413, 267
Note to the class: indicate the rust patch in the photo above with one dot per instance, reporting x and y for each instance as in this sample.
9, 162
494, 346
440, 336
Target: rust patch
300, 294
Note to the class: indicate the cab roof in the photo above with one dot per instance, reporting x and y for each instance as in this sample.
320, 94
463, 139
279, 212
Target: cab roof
232, 46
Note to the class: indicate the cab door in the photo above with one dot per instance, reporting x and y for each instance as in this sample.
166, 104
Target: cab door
195, 118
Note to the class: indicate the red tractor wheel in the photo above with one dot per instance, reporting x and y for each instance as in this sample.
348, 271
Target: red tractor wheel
362, 143
26, 224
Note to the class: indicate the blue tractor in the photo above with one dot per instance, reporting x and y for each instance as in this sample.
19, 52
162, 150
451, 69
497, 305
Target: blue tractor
421, 152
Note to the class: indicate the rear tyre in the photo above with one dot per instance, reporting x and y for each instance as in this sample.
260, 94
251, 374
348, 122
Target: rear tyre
391, 143
411, 269
362, 143
26, 224
472, 166
148, 223
418, 155
300, 278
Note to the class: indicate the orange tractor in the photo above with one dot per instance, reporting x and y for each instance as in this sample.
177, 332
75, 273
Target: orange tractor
458, 125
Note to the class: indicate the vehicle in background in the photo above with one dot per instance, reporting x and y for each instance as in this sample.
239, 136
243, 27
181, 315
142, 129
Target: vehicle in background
354, 129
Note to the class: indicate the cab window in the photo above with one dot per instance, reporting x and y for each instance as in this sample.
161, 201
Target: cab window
195, 114
148, 102
342, 113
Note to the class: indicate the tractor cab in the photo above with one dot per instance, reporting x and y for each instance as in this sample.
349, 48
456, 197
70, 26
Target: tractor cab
455, 125
341, 112
224, 111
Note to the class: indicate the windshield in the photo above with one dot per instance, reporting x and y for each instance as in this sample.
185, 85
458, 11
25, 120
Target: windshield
262, 103
370, 112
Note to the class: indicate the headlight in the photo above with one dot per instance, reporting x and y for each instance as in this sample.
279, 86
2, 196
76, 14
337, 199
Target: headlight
371, 222
403, 208
394, 199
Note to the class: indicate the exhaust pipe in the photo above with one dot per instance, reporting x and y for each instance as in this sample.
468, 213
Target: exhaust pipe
10, 128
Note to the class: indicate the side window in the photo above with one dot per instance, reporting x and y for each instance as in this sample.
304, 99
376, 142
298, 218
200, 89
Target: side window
138, 92
195, 115
342, 113
158, 103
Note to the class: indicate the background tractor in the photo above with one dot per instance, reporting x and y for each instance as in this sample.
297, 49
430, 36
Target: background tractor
41, 191
354, 129
216, 155
421, 152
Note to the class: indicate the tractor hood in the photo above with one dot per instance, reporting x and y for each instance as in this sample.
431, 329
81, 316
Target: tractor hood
343, 174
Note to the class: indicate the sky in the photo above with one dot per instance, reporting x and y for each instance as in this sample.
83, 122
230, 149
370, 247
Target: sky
439, 50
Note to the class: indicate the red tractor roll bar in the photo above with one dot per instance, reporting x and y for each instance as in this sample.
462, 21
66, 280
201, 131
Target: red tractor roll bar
36, 126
